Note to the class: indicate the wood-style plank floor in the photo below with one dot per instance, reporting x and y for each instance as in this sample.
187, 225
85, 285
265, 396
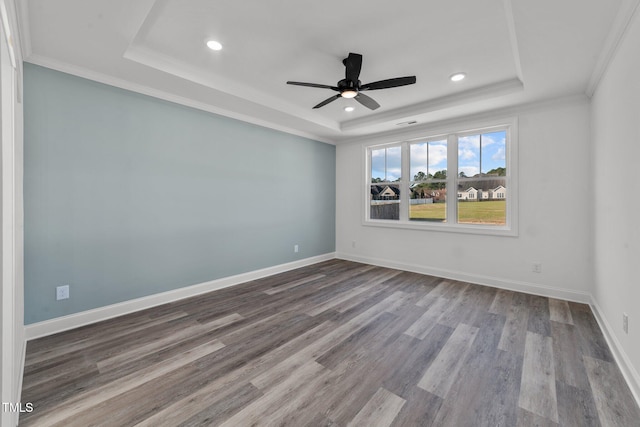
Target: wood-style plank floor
334, 344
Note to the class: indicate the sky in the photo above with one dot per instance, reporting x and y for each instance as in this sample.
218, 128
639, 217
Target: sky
431, 157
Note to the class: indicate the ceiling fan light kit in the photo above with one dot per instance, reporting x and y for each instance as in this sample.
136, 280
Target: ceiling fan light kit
350, 86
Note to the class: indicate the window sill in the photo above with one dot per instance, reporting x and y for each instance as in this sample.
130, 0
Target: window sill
445, 228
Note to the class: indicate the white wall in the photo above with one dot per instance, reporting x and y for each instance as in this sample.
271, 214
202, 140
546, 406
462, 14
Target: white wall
615, 121
11, 214
554, 216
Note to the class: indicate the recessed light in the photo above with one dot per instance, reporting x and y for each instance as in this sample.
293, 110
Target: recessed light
214, 45
457, 77
349, 109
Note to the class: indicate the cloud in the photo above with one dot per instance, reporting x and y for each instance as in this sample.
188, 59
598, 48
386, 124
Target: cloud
435, 153
471, 142
499, 155
467, 154
469, 170
385, 163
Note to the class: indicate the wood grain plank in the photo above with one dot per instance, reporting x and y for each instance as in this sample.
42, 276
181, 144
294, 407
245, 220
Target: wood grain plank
592, 341
95, 396
421, 327
77, 342
258, 412
515, 328
374, 336
559, 311
439, 290
421, 409
441, 374
615, 406
529, 419
286, 286
319, 347
199, 400
501, 302
379, 411
567, 357
576, 407
539, 315
538, 384
490, 371
403, 376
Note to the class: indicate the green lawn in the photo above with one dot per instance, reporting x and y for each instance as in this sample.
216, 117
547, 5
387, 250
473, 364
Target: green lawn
486, 212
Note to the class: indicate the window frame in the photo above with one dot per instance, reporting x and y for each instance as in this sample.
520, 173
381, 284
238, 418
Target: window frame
451, 134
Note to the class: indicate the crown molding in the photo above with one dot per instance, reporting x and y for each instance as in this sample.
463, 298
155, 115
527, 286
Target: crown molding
420, 130
166, 96
505, 87
617, 33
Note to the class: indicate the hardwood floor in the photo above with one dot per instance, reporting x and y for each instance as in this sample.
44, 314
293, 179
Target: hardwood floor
334, 344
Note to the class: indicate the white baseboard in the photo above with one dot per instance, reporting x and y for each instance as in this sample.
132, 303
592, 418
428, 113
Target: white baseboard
21, 363
622, 359
72, 321
512, 285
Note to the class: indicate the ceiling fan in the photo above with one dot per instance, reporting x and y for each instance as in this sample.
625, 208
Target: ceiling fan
350, 86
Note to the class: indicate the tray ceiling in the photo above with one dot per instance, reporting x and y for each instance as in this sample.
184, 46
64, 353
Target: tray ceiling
512, 52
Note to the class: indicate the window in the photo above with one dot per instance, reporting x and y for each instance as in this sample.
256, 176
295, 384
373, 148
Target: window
384, 194
482, 169
428, 168
460, 181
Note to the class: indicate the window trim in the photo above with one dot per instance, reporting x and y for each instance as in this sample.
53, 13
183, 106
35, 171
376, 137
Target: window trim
451, 134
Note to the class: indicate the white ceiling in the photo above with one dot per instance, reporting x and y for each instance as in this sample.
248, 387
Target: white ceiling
514, 52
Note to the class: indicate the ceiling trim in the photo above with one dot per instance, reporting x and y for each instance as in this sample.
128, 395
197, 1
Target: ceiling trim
24, 30
625, 15
166, 96
467, 121
174, 67
513, 37
138, 52
505, 87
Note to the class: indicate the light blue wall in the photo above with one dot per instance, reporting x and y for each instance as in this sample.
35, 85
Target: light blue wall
127, 195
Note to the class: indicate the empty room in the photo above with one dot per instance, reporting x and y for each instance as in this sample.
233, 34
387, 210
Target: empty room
294, 213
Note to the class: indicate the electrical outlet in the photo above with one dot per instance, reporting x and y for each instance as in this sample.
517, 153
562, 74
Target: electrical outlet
625, 323
62, 292
536, 267
295, 248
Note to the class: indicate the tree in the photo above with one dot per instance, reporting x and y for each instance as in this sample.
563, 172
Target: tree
376, 179
420, 176
438, 185
498, 171
440, 175
462, 174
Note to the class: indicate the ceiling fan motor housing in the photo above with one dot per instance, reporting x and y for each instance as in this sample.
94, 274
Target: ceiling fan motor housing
345, 84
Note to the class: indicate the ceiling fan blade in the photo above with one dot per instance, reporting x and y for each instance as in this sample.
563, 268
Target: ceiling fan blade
353, 64
388, 83
313, 85
328, 100
367, 101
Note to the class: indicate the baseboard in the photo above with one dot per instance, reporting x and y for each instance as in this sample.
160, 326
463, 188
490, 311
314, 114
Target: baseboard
622, 359
21, 365
72, 321
512, 285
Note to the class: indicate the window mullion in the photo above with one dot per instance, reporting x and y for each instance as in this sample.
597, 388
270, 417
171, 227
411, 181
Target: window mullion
404, 182
452, 175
